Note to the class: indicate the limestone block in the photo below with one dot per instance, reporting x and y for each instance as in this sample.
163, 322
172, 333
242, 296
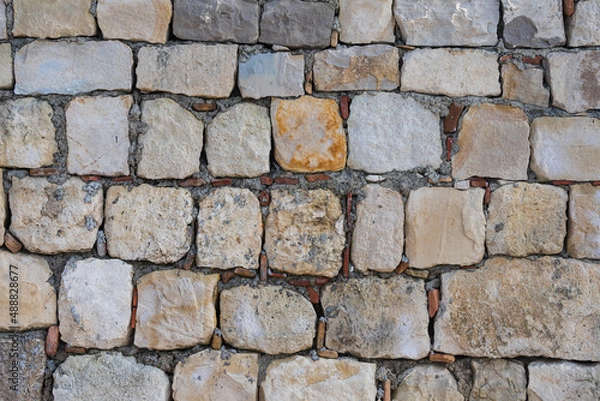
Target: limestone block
6, 65
531, 23
563, 380
30, 374
583, 240
428, 382
135, 20
499, 380
582, 27
525, 86
53, 19
3, 21
365, 21
3, 209
273, 74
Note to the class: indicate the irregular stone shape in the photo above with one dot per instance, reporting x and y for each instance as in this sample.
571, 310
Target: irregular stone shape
3, 21
558, 315
296, 23
565, 148
529, 23
25, 381
6, 66
53, 19
98, 135
272, 319
217, 20
189, 69
305, 232
372, 67
206, 376
448, 23
109, 376
377, 318
238, 142
583, 240
582, 27
388, 131
526, 219
499, 380
308, 134
229, 229
365, 21
148, 223
273, 74
3, 209
172, 143
176, 309
26, 284
44, 67
451, 72
525, 86
55, 218
444, 226
378, 238
27, 133
428, 382
574, 80
563, 380
493, 142
300, 378
135, 20
94, 305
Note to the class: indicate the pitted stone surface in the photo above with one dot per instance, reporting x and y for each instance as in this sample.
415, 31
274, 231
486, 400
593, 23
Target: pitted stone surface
366, 21
498, 380
583, 240
529, 23
582, 27
428, 382
135, 20
53, 19
567, 381
273, 74
525, 86
6, 66
31, 365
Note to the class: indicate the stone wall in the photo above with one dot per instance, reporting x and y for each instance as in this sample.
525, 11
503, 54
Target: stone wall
300, 200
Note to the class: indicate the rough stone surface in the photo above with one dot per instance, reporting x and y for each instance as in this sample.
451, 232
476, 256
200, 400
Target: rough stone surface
53, 19
529, 23
498, 380
217, 20
365, 21
229, 229
373, 67
428, 382
444, 226
582, 27
273, 74
176, 309
305, 232
27, 133
451, 72
31, 364
94, 305
558, 316
308, 134
296, 23
55, 218
148, 223
524, 86
98, 135
565, 381
44, 67
377, 318
388, 131
583, 240
238, 142
300, 378
109, 376
448, 23
565, 148
3, 20
172, 143
272, 319
189, 69
26, 279
6, 66
135, 20
206, 376
493, 142
3, 209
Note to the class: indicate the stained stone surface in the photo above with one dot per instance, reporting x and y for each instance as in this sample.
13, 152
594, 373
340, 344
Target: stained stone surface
525, 86
583, 240
530, 23
25, 381
499, 380
366, 21
135, 20
273, 74
428, 382
6, 66
563, 380
582, 27
53, 19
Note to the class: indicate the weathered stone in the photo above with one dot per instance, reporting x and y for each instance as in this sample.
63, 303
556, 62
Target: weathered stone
388, 131
135, 20
206, 376
188, 69
3, 209
238, 142
582, 27
555, 298
583, 240
217, 20
527, 23
493, 142
372, 67
109, 376
273, 74
526, 86
27, 133
172, 143
451, 72
148, 223
25, 381
498, 380
53, 19
6, 66
176, 309
300, 378
377, 318
44, 67
272, 319
444, 226
565, 148
563, 380
55, 218
427, 382
448, 23
305, 232
365, 21
98, 135
3, 20
296, 23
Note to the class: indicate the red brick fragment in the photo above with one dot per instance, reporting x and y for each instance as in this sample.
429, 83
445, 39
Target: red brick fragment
321, 280
327, 353
595, 183
192, 182
52, 339
226, 276
562, 182
298, 283
75, 350
406, 47
443, 358
189, 261
313, 295
264, 198
387, 390
469, 267
537, 60
124, 178
348, 206
43, 172
316, 177
449, 148
346, 262
285, 180
451, 120
506, 57
12, 243
134, 298
216, 341
243, 272
433, 298
321, 335
401, 267
344, 106
262, 263
277, 275
266, 180
208, 106
133, 315
488, 195
478, 182
568, 7
221, 182
88, 178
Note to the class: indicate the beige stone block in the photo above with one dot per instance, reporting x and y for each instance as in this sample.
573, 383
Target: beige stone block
525, 86
528, 23
135, 20
6, 66
563, 380
365, 21
53, 19
583, 240
433, 380
582, 27
499, 380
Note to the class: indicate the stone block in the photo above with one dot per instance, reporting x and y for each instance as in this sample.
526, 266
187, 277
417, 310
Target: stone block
28, 350
435, 381
582, 27
583, 240
6, 66
53, 19
365, 21
135, 20
530, 23
525, 86
3, 209
563, 380
499, 380
273, 74
3, 34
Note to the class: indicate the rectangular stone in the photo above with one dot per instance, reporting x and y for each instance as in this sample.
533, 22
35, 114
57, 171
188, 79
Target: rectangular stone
3, 20
564, 381
3, 208
274, 74
27, 350
582, 27
135, 20
524, 85
53, 19
6, 66
583, 240
366, 21
531, 23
